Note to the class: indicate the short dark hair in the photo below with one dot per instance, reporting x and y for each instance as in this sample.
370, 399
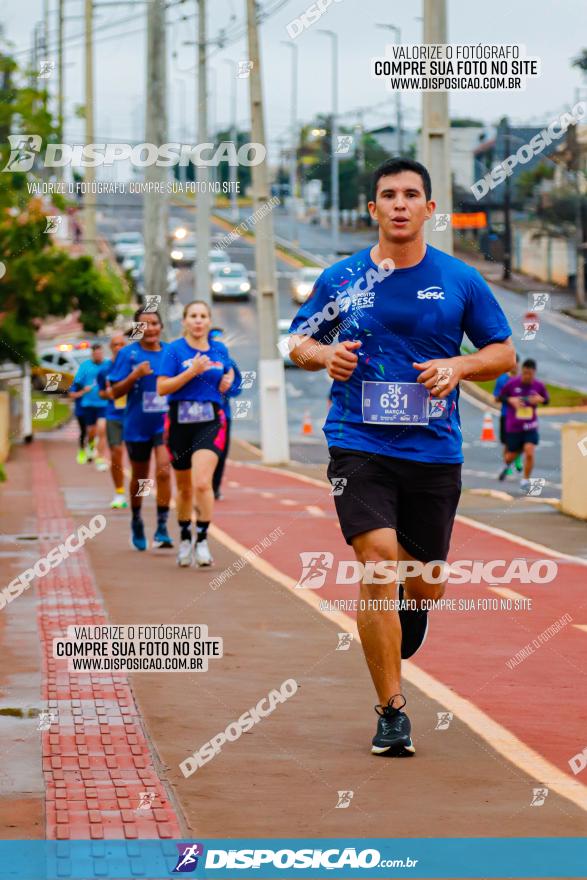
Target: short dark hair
96, 346
142, 311
396, 166
529, 363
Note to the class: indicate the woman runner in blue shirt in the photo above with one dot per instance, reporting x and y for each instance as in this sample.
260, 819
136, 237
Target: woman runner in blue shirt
195, 373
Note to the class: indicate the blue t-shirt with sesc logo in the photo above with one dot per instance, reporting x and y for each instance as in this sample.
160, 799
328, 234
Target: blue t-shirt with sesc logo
145, 410
400, 317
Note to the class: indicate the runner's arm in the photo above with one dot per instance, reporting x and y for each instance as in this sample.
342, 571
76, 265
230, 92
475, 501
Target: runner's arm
489, 362
119, 389
171, 384
338, 360
442, 375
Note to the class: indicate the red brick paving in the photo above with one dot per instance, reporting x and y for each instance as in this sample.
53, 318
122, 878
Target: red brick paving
96, 758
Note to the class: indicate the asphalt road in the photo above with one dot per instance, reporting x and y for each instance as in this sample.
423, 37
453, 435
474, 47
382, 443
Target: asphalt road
559, 349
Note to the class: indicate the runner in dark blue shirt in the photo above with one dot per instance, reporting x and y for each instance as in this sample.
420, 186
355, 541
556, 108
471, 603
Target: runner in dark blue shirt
134, 376
387, 325
195, 374
114, 422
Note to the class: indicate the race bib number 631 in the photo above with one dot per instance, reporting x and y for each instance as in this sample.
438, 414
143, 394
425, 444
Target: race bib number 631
395, 403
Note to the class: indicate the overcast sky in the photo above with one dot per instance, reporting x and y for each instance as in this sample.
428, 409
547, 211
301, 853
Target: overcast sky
553, 30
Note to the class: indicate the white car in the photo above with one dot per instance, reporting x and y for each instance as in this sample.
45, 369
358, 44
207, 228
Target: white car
183, 251
171, 282
134, 260
230, 281
216, 259
282, 344
303, 282
124, 242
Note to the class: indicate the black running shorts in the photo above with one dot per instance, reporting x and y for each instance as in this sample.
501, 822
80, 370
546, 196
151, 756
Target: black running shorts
185, 439
417, 499
140, 450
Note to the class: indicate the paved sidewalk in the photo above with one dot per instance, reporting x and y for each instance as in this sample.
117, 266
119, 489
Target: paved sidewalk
474, 776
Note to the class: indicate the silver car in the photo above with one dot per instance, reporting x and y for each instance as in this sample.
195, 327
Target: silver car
303, 282
230, 281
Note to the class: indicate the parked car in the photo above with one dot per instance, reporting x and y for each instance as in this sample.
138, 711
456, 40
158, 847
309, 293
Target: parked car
63, 359
124, 241
183, 251
134, 260
230, 281
303, 282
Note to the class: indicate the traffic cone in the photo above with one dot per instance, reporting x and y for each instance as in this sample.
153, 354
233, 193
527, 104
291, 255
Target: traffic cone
307, 424
487, 431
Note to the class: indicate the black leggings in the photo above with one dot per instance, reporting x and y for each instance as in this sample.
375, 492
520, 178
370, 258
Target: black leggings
82, 431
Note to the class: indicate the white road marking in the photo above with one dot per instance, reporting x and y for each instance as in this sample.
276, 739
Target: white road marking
506, 594
499, 738
315, 511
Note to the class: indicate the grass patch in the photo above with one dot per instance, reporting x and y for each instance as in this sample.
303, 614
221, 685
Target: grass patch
558, 396
57, 415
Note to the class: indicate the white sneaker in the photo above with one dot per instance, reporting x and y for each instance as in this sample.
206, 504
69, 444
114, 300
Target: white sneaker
119, 502
185, 554
90, 453
203, 555
524, 486
101, 464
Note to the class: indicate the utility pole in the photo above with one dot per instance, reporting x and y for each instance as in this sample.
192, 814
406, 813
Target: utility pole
362, 206
156, 203
274, 432
577, 178
202, 275
60, 76
435, 143
89, 211
293, 150
232, 169
507, 206
334, 196
398, 95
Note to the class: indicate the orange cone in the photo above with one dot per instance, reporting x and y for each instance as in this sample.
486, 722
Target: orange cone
487, 432
307, 424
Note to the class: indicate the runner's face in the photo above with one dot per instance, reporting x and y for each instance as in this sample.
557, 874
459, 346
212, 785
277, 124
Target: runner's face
152, 331
98, 355
528, 375
116, 343
400, 206
197, 322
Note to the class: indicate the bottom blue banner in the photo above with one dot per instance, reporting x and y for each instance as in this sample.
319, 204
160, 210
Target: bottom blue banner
528, 857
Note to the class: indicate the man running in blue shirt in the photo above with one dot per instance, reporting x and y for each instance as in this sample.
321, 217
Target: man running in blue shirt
387, 324
93, 408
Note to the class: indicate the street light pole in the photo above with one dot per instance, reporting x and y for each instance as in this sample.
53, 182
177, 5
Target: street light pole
274, 433
234, 138
155, 202
89, 172
293, 151
334, 191
436, 126
202, 275
398, 97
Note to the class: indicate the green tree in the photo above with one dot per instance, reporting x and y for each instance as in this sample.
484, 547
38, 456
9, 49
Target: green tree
39, 279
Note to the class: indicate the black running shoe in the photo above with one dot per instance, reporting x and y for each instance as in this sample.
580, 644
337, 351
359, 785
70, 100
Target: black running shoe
414, 628
394, 731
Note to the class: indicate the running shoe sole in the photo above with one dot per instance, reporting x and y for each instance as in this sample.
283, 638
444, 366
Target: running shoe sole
162, 545
400, 750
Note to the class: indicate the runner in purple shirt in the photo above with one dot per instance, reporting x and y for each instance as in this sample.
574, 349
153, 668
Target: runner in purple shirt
523, 394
